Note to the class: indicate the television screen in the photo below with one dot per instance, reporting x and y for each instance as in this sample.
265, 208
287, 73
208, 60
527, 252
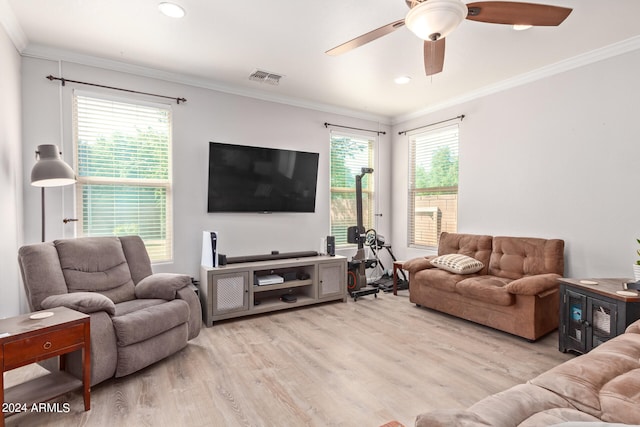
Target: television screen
256, 179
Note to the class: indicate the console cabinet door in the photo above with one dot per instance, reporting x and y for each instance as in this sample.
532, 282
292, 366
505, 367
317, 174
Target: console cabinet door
574, 322
332, 279
601, 317
230, 292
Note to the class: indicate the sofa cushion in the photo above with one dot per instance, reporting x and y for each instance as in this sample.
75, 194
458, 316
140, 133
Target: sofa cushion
473, 245
580, 380
486, 288
137, 257
633, 328
151, 321
439, 279
84, 302
127, 307
457, 263
516, 257
620, 399
96, 264
41, 273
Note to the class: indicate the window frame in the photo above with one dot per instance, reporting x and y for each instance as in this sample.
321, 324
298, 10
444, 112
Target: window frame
160, 250
449, 193
368, 190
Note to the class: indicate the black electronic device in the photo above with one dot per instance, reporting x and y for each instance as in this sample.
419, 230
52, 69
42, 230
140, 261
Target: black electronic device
632, 285
258, 179
290, 276
303, 276
288, 298
269, 257
331, 246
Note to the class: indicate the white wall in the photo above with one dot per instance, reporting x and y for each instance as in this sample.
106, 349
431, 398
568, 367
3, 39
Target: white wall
10, 177
207, 115
555, 158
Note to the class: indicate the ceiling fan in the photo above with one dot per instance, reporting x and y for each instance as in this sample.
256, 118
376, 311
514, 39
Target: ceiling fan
433, 20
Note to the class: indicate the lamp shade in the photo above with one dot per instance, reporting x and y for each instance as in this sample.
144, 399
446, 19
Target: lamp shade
50, 170
435, 19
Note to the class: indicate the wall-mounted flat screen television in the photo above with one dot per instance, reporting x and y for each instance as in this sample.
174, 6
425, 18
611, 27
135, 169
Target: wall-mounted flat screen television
256, 179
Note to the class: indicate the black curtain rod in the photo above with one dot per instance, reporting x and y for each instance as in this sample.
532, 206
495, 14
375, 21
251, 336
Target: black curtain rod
64, 81
461, 117
379, 132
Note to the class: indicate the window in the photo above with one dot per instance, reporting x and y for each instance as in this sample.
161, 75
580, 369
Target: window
349, 154
433, 185
122, 158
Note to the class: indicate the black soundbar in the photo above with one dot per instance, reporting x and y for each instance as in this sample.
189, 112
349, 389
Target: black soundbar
269, 257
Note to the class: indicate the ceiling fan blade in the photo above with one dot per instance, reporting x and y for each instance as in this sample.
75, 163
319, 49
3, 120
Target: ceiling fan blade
513, 13
433, 56
366, 38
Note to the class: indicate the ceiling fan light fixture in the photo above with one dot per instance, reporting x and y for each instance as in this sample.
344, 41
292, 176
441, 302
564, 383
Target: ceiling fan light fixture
435, 19
521, 27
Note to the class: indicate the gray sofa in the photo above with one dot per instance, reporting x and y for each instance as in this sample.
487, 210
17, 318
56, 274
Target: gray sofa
137, 317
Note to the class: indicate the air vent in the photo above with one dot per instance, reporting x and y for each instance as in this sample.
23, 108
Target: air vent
265, 77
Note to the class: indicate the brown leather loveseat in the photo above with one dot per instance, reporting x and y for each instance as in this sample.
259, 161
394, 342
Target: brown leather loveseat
515, 290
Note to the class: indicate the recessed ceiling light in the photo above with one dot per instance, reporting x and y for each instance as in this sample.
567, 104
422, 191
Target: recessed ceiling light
402, 80
172, 10
521, 27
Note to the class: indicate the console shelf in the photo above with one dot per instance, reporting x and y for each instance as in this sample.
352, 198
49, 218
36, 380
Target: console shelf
285, 285
230, 291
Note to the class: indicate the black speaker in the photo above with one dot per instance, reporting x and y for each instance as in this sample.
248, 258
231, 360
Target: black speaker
352, 234
331, 245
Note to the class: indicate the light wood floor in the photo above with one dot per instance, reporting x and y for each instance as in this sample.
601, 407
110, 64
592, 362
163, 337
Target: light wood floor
358, 363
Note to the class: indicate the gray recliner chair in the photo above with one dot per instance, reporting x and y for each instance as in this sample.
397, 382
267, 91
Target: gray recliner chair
137, 317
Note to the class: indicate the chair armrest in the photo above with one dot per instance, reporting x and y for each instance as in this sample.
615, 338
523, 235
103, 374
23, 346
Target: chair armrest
161, 285
534, 285
417, 264
448, 418
84, 302
195, 310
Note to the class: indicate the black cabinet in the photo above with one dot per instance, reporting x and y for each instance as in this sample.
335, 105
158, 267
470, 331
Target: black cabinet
592, 312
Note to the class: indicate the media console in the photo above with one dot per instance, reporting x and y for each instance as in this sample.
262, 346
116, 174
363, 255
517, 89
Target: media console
232, 291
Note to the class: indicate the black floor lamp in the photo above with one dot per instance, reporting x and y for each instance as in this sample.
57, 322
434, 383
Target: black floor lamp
50, 171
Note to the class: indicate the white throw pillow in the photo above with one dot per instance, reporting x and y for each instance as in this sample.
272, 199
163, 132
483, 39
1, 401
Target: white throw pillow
457, 263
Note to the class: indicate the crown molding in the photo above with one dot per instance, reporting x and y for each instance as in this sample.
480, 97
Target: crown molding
577, 61
53, 54
12, 26
49, 53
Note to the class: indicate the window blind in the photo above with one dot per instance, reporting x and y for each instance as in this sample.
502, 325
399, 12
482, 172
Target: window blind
349, 154
122, 159
433, 185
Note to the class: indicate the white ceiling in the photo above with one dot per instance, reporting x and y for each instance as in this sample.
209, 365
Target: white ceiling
222, 42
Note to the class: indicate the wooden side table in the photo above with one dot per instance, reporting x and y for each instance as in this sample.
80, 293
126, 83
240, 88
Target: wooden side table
593, 311
25, 340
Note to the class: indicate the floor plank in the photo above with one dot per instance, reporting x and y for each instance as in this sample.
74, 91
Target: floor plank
361, 363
